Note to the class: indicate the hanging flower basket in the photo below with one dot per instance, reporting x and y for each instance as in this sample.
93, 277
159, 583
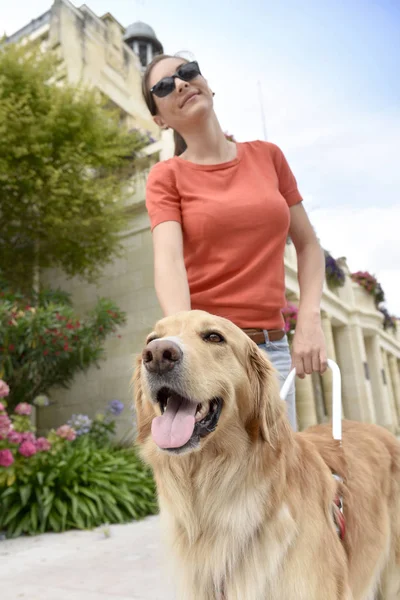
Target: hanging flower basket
370, 284
335, 275
389, 321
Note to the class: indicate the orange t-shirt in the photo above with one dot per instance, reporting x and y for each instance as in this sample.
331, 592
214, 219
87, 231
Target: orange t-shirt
235, 220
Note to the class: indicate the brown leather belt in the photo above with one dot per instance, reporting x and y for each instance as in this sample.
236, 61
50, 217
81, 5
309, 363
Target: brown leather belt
257, 335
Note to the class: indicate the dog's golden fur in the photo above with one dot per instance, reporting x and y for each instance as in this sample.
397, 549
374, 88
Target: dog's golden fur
248, 514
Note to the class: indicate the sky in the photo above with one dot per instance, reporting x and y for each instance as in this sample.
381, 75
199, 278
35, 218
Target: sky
325, 74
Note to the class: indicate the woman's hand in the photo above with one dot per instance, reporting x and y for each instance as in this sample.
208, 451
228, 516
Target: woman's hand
308, 348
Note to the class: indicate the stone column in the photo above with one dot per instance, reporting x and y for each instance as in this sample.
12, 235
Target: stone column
356, 386
331, 353
305, 404
395, 377
380, 393
388, 385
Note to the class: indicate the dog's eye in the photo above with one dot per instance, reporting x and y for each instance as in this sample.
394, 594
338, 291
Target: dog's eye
214, 337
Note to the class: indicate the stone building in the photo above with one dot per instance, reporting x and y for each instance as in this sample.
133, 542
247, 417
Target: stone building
99, 52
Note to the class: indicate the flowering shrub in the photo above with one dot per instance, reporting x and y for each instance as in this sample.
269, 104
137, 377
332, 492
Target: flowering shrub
46, 345
17, 439
370, 284
290, 313
68, 480
335, 275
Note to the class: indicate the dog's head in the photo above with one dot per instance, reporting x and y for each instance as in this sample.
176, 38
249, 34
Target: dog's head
198, 376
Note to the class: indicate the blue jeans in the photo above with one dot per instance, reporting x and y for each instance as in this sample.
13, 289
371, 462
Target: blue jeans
279, 355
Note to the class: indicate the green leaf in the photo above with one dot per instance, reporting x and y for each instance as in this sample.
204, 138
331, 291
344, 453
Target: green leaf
12, 513
25, 493
34, 518
54, 522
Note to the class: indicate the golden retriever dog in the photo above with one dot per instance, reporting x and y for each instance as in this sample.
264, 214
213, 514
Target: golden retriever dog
247, 504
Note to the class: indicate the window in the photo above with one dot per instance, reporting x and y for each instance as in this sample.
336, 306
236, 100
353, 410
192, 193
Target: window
143, 53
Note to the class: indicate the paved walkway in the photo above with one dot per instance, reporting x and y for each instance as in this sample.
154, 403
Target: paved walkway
86, 565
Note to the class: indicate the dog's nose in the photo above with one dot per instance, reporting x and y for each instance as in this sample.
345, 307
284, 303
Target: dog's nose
161, 356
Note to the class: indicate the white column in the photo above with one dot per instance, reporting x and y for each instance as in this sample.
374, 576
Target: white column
356, 386
388, 385
149, 53
380, 393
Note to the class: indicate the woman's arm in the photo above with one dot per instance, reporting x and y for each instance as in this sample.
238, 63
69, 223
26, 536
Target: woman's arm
309, 353
170, 275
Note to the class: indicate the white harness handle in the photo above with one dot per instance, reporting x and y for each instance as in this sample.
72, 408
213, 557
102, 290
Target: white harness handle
336, 397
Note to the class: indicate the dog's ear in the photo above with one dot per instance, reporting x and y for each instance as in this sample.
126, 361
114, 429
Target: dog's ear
144, 412
265, 394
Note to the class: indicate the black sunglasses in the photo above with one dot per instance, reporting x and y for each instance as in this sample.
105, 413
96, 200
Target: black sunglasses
166, 85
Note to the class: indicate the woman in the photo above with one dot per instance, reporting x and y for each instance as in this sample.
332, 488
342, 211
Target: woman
220, 214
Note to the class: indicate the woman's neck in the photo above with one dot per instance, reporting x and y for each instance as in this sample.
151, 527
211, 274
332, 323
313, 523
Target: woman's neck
207, 144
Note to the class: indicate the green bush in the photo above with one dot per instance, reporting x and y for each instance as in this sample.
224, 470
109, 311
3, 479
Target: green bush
78, 486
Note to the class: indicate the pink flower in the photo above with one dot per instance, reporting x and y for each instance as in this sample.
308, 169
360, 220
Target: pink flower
42, 444
5, 425
6, 458
66, 432
2, 407
23, 408
4, 389
28, 436
15, 437
27, 449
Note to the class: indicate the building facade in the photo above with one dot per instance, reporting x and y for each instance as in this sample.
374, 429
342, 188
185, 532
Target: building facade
100, 53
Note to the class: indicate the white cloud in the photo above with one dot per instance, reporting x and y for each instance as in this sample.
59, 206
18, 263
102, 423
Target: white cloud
369, 239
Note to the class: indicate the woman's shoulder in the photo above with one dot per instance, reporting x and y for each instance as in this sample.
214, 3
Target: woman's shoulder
260, 146
161, 172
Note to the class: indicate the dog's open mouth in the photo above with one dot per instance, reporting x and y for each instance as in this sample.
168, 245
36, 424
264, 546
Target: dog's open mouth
183, 422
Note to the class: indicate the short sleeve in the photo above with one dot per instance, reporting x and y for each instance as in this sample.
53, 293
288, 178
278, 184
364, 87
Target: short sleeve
287, 181
163, 202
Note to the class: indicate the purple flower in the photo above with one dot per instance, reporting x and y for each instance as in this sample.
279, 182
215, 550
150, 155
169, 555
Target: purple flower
5, 425
15, 437
115, 407
6, 458
28, 436
23, 408
42, 444
81, 424
4, 389
27, 449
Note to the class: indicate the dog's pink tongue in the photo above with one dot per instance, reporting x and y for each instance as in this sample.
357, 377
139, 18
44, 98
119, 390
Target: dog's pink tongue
175, 427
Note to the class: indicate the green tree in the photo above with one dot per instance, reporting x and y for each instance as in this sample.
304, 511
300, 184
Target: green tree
65, 163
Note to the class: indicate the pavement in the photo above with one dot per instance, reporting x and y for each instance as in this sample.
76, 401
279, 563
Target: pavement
117, 562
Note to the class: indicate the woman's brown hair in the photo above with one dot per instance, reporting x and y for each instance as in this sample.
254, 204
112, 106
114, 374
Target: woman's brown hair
180, 144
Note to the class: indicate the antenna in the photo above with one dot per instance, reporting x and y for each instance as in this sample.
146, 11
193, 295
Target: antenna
264, 126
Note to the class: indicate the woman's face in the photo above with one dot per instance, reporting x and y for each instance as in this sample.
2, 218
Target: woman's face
189, 101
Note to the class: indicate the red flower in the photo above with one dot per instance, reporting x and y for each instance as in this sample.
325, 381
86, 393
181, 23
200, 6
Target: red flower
45, 352
66, 347
11, 347
70, 326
